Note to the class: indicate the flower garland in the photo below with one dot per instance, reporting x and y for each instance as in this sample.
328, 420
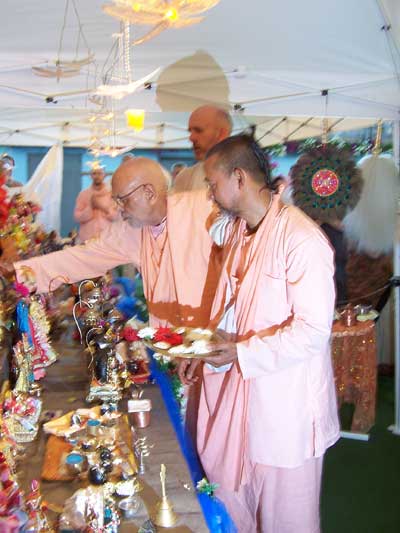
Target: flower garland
20, 222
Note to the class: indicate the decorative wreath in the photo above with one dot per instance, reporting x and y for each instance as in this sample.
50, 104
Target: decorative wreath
326, 182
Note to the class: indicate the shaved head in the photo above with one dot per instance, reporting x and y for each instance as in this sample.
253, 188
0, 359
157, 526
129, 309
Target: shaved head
217, 115
138, 170
140, 187
97, 175
208, 125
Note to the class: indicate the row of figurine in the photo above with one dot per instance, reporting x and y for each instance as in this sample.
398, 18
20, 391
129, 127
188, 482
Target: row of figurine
95, 456
19, 513
115, 360
25, 332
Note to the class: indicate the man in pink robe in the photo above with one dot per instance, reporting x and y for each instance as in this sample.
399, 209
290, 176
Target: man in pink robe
265, 423
158, 234
94, 208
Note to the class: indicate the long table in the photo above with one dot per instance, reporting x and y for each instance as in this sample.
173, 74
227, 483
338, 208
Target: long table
65, 387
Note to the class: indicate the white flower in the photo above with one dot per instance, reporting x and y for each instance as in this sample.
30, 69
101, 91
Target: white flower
202, 483
147, 333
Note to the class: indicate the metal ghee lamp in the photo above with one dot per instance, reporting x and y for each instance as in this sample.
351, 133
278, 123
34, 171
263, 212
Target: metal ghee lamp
92, 298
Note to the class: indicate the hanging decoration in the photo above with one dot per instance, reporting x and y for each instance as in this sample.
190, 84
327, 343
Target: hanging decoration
95, 165
371, 225
120, 90
118, 81
63, 68
135, 118
104, 133
326, 183
160, 14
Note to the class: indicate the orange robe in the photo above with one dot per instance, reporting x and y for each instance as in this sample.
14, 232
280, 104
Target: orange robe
276, 406
93, 221
179, 278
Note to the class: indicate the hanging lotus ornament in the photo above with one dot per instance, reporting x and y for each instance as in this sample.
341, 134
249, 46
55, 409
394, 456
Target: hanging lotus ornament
58, 71
160, 14
119, 91
62, 68
119, 82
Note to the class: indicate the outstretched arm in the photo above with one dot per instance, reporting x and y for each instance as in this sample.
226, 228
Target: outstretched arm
117, 245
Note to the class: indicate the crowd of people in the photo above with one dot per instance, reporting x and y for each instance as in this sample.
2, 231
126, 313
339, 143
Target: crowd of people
220, 249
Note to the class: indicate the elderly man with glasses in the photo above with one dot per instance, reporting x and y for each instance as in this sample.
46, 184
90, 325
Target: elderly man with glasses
158, 234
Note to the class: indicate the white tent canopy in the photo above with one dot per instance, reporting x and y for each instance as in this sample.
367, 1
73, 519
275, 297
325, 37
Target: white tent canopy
278, 64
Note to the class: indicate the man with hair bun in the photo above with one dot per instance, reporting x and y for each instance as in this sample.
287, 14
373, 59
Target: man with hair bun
266, 421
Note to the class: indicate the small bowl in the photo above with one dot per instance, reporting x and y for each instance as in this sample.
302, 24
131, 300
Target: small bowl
363, 309
93, 427
129, 507
76, 463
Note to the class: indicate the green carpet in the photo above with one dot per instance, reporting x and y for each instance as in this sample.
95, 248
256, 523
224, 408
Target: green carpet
361, 485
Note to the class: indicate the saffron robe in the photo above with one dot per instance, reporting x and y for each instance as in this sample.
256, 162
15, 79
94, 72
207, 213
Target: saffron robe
276, 406
93, 221
179, 278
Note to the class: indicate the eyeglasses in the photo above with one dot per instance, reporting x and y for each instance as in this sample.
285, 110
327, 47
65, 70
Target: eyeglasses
121, 200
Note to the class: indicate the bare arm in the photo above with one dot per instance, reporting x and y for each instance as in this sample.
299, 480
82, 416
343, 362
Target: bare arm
117, 245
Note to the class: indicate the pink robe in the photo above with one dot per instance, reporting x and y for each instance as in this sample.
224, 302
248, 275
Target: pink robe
93, 221
178, 277
177, 263
277, 405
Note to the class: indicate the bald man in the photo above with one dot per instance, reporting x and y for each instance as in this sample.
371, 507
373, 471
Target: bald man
156, 235
94, 208
208, 125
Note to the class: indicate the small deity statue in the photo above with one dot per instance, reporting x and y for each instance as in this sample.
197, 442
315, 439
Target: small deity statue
23, 366
105, 383
38, 522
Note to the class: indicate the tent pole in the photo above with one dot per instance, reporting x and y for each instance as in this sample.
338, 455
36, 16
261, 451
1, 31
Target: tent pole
395, 428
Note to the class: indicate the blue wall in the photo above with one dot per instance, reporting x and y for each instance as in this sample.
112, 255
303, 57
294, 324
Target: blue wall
165, 157
26, 159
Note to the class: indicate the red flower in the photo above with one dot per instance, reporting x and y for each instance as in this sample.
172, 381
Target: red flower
167, 335
22, 289
130, 334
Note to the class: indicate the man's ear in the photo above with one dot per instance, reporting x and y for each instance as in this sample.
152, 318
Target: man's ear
149, 192
240, 177
223, 134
